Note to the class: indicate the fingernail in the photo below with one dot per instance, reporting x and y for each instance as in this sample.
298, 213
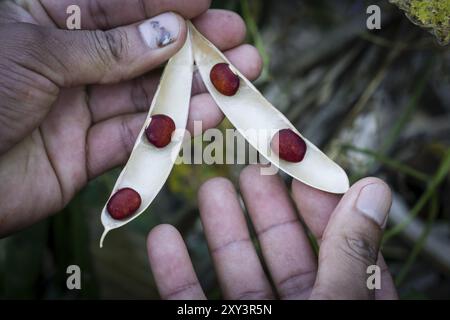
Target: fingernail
374, 201
161, 30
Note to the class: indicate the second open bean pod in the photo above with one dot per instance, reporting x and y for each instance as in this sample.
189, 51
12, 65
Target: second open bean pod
250, 112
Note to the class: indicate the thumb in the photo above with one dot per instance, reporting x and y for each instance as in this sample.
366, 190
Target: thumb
351, 242
72, 58
36, 61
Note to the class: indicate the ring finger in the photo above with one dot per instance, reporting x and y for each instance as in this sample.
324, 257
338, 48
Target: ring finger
284, 244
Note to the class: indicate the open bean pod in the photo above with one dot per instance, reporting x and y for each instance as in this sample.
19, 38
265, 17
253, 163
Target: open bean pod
250, 112
156, 148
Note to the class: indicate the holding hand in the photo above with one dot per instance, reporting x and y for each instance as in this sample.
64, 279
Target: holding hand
348, 228
73, 102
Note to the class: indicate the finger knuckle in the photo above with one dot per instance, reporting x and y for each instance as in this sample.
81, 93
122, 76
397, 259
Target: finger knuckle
109, 46
324, 293
257, 294
140, 98
117, 40
299, 283
127, 136
358, 247
180, 290
98, 14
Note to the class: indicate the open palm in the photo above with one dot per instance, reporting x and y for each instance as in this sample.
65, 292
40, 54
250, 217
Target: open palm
348, 229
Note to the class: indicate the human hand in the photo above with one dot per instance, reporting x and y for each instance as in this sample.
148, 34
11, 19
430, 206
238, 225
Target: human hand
73, 102
348, 228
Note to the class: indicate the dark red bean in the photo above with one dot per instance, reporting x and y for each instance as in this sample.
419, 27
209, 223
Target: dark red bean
159, 131
288, 145
124, 203
224, 80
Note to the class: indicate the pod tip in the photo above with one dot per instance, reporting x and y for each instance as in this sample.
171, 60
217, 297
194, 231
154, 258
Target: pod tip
105, 232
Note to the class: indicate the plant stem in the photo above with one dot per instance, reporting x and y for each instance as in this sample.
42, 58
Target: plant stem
394, 164
437, 179
420, 242
257, 39
409, 110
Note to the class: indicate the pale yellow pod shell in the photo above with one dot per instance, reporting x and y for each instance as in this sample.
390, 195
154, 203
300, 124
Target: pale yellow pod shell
248, 111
